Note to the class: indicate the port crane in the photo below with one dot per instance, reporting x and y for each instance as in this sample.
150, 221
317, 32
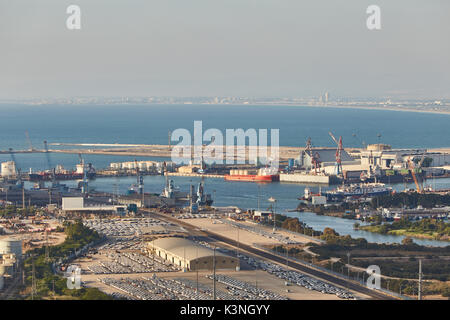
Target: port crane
315, 158
19, 181
29, 141
363, 143
338, 153
139, 178
84, 184
413, 173
49, 163
419, 185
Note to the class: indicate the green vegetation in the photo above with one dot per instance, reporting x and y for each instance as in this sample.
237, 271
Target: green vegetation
47, 282
411, 200
395, 260
344, 210
425, 228
11, 211
293, 224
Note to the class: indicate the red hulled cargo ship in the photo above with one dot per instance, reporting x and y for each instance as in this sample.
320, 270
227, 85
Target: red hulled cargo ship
262, 175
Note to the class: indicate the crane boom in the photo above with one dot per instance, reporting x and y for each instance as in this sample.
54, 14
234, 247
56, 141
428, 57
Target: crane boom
29, 141
332, 137
412, 169
13, 159
49, 163
338, 153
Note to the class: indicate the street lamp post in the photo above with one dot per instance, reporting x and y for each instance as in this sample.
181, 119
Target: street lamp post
274, 215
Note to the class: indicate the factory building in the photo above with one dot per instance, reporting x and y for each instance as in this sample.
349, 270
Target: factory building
190, 255
325, 156
397, 158
8, 169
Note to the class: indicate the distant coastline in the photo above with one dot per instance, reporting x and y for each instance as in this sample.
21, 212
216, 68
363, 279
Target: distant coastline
262, 104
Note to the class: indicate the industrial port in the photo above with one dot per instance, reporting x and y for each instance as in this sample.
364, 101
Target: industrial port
179, 245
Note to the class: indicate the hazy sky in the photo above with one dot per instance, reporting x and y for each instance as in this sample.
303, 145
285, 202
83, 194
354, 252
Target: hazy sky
224, 47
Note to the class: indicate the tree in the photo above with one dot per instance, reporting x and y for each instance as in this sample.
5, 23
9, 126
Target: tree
407, 241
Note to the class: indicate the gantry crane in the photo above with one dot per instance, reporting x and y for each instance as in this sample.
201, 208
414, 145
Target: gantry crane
338, 153
315, 157
49, 163
139, 178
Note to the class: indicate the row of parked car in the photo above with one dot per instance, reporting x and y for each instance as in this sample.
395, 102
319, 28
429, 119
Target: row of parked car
245, 290
298, 278
123, 227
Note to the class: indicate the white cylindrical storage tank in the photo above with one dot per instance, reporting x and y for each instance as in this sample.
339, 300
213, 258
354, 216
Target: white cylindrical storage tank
8, 169
142, 165
114, 165
79, 168
11, 246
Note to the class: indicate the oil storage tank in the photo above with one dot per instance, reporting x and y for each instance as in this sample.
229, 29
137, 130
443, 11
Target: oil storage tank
11, 245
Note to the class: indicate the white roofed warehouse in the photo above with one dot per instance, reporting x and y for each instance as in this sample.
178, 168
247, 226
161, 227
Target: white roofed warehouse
190, 255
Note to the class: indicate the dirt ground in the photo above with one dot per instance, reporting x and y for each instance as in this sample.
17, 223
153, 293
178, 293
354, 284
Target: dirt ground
245, 237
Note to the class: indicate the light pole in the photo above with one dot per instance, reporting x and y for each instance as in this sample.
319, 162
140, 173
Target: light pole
348, 264
274, 215
214, 274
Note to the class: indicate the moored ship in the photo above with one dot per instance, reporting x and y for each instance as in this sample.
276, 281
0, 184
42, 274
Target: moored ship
63, 174
358, 190
260, 175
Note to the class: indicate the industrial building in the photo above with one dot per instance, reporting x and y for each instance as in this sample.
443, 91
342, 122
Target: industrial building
78, 204
8, 169
325, 156
190, 255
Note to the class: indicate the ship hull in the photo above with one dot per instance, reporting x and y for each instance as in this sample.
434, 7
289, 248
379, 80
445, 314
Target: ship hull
59, 176
251, 178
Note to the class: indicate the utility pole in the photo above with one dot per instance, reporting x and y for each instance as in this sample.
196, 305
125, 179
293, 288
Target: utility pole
419, 294
214, 274
23, 198
33, 278
47, 249
170, 136
196, 269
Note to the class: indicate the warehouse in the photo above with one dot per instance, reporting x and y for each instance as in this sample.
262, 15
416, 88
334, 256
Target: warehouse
78, 204
190, 255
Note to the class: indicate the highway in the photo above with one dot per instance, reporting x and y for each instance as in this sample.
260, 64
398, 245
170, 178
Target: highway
376, 295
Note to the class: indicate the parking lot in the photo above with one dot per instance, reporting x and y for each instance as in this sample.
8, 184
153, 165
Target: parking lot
130, 262
124, 227
297, 278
